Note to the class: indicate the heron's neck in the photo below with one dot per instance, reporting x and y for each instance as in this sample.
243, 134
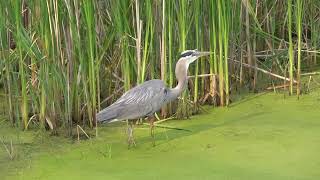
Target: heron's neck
181, 74
182, 84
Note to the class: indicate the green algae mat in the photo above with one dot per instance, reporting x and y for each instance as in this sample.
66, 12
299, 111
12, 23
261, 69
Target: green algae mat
265, 136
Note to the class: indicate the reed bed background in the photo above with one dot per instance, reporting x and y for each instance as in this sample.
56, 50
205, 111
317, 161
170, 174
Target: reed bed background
62, 61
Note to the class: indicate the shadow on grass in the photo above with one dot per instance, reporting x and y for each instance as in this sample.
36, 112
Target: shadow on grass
166, 136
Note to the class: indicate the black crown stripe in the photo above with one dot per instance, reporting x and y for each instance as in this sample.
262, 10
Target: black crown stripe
185, 54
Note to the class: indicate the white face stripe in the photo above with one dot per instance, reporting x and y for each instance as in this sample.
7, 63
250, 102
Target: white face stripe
192, 59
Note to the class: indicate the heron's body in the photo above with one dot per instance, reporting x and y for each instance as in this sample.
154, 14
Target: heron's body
147, 98
139, 102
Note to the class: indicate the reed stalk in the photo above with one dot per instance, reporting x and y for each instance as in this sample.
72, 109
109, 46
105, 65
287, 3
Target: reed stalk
221, 59
22, 72
197, 16
148, 39
163, 59
90, 22
213, 48
299, 17
290, 51
226, 26
182, 111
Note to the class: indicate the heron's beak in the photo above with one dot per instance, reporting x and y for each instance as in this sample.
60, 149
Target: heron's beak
204, 53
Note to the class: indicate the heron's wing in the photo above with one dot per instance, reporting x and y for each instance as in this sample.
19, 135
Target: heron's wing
146, 93
140, 101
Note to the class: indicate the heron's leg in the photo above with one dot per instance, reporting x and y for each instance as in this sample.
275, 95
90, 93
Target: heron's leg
152, 130
130, 135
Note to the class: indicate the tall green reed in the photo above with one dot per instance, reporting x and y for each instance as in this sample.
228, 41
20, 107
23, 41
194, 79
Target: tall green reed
299, 17
65, 59
182, 20
290, 52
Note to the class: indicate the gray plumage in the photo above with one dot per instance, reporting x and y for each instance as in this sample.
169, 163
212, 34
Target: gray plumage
147, 98
140, 101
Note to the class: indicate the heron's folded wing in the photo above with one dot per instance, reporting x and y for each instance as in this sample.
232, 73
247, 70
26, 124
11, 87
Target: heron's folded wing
143, 94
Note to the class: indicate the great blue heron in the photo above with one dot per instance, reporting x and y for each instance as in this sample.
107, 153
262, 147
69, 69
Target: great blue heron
147, 98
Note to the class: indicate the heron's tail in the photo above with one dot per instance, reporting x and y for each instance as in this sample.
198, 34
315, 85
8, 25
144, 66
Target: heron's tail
107, 115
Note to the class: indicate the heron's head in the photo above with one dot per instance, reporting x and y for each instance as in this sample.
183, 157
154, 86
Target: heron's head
186, 58
189, 56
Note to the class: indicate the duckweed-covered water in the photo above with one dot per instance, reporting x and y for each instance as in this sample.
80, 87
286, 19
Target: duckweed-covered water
266, 136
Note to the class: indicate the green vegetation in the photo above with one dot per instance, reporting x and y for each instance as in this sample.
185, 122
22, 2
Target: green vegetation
253, 138
299, 17
62, 61
291, 63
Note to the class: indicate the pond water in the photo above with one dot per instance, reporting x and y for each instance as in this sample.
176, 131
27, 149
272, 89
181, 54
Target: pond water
265, 136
